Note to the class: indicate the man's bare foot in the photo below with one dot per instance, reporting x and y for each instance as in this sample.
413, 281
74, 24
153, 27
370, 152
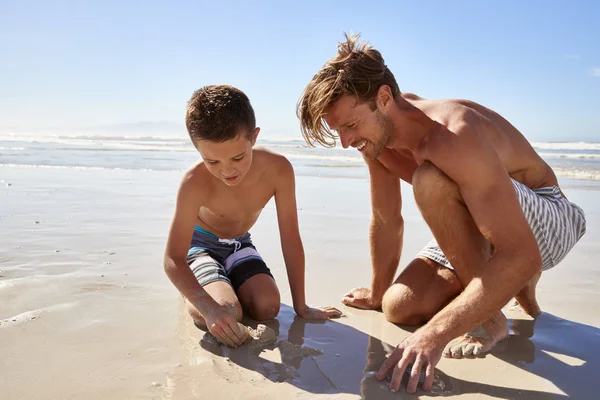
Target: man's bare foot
526, 297
480, 340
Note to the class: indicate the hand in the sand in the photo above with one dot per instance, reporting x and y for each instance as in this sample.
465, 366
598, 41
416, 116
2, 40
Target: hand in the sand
361, 298
223, 325
318, 313
420, 352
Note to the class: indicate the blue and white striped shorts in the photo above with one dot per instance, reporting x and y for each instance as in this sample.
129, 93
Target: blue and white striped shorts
556, 223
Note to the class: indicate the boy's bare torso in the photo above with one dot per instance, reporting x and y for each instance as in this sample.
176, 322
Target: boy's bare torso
230, 211
521, 161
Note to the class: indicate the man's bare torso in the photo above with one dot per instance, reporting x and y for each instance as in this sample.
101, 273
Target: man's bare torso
521, 161
230, 211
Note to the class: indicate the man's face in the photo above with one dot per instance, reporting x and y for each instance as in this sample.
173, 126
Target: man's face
358, 126
228, 161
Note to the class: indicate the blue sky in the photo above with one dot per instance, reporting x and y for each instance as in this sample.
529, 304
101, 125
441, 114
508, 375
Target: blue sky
67, 64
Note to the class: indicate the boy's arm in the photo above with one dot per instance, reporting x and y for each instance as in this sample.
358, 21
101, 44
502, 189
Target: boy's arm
291, 243
219, 322
385, 237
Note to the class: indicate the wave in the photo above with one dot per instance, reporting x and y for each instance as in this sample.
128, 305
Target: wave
573, 173
81, 167
566, 145
570, 155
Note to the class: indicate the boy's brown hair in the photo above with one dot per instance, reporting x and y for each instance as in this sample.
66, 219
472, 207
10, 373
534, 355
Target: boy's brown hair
219, 113
357, 70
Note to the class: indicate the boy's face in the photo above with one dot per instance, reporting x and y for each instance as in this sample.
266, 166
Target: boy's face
228, 161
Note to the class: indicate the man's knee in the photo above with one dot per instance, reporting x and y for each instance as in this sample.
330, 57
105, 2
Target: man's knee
432, 186
265, 306
402, 306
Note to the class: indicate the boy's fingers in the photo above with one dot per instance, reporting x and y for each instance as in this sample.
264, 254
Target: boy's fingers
223, 338
241, 332
231, 336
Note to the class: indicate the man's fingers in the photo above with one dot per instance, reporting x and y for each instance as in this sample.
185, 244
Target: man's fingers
415, 374
388, 364
428, 383
399, 373
349, 301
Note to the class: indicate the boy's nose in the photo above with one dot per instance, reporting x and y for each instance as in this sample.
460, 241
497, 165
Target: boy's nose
227, 171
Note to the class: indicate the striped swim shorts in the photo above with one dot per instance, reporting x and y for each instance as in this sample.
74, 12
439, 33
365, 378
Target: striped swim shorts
556, 223
234, 261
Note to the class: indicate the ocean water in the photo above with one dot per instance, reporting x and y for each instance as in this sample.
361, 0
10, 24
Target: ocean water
571, 160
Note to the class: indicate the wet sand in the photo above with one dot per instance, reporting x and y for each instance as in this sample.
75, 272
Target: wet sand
87, 311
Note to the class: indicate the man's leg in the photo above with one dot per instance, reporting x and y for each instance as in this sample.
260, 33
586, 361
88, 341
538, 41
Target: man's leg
443, 208
421, 290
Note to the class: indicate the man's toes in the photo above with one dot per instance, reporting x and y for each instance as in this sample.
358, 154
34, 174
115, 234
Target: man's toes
478, 350
448, 352
457, 351
469, 348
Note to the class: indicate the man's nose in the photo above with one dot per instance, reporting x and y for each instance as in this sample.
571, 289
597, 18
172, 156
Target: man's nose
345, 139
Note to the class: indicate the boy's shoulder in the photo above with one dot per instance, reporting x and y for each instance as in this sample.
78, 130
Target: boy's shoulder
270, 159
196, 177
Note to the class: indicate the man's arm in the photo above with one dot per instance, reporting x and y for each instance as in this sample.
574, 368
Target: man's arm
291, 243
385, 237
491, 200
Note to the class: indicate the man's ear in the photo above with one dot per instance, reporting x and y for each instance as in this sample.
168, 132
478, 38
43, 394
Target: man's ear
384, 97
255, 135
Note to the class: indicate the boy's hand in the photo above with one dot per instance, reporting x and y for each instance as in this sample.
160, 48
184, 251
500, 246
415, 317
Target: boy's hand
361, 298
223, 325
318, 313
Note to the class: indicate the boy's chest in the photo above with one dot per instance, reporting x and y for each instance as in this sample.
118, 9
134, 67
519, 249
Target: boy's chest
238, 204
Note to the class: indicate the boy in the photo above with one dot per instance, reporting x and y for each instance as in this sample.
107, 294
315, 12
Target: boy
209, 256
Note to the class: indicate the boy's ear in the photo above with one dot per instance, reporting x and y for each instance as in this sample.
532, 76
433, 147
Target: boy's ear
256, 132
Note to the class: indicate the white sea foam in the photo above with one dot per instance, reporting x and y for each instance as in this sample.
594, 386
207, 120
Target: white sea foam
31, 315
570, 155
566, 145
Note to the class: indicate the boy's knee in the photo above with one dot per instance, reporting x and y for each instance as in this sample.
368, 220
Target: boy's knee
402, 306
265, 307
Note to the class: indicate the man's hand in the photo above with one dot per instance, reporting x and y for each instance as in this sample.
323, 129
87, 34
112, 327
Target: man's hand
222, 324
361, 298
318, 313
420, 352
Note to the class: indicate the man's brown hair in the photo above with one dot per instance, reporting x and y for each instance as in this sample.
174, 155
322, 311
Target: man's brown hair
357, 70
219, 113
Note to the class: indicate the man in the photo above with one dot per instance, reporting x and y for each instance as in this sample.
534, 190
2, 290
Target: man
494, 206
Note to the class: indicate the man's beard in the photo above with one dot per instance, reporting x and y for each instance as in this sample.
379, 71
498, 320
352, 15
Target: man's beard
385, 127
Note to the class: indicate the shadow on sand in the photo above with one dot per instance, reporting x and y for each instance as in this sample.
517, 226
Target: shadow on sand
350, 356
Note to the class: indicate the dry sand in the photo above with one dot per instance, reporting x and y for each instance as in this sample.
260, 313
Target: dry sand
87, 312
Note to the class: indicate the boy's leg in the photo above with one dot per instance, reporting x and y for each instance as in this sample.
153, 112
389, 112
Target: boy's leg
252, 281
221, 292
259, 297
211, 276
